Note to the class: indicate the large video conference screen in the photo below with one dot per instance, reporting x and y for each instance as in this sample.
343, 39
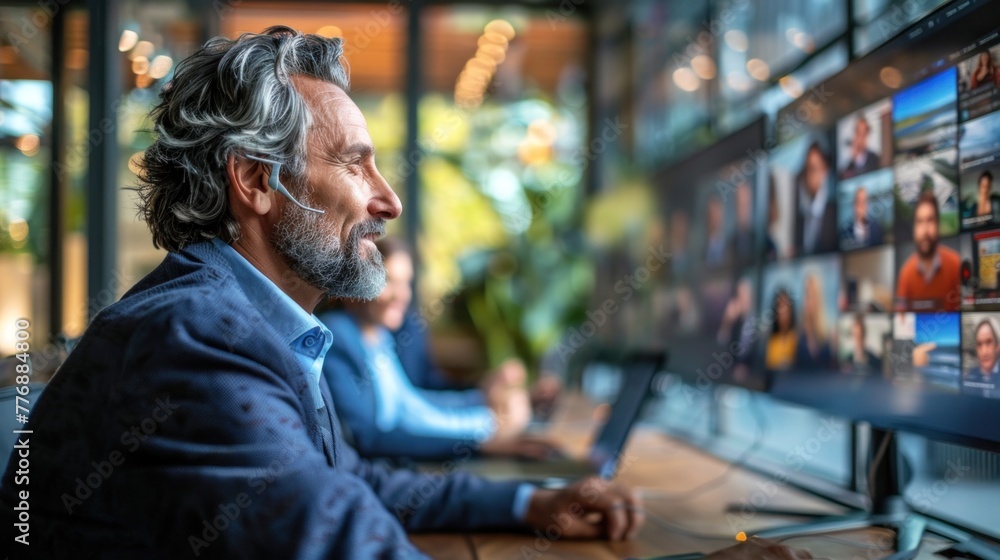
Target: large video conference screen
867, 242
885, 232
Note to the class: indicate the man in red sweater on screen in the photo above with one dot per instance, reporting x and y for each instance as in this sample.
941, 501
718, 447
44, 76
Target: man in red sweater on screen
929, 279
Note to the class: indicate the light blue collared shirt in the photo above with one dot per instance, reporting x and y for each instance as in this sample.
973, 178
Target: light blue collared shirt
398, 403
306, 335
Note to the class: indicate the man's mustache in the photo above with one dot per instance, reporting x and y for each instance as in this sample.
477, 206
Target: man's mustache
373, 227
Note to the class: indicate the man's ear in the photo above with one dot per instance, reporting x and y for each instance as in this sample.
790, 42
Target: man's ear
248, 184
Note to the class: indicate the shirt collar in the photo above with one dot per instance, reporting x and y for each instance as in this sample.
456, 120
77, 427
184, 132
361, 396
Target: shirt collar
928, 274
860, 229
299, 330
817, 206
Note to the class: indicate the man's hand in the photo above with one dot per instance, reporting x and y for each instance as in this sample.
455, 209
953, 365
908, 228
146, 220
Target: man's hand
510, 373
512, 410
508, 399
759, 549
589, 509
922, 354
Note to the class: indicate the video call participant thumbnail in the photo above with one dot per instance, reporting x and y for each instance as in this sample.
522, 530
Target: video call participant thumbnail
862, 159
741, 241
801, 342
816, 216
985, 72
926, 350
982, 210
863, 231
859, 358
981, 378
929, 279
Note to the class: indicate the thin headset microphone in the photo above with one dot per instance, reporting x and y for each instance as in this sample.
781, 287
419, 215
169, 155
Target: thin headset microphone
275, 184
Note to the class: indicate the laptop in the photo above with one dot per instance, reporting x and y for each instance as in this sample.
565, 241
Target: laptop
638, 372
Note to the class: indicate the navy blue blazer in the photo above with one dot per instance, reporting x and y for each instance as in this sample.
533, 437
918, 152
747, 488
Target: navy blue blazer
179, 427
346, 372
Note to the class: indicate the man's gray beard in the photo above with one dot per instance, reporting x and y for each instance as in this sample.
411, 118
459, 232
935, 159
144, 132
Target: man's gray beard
930, 252
316, 255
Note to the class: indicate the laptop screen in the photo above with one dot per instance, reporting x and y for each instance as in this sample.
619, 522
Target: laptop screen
638, 372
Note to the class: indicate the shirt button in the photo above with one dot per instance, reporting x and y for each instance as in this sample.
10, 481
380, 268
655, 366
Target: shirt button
309, 341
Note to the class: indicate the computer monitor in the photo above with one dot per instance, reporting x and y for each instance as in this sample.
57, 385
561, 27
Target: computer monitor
706, 303
882, 293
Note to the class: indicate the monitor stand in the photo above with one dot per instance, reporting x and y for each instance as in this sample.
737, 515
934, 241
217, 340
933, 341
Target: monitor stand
890, 511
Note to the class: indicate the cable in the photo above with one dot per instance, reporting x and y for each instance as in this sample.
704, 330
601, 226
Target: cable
684, 531
472, 547
738, 463
680, 529
849, 542
879, 455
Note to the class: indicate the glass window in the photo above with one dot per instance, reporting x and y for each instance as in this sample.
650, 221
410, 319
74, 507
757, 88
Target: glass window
25, 156
503, 130
153, 39
877, 21
674, 72
76, 133
762, 40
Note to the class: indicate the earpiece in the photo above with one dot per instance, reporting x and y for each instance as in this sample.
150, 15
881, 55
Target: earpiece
275, 184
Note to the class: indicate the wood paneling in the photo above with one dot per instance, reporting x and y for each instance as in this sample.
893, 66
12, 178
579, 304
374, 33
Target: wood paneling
376, 38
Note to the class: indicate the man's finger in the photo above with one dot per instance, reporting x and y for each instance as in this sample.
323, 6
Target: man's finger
616, 515
637, 518
637, 512
582, 528
620, 507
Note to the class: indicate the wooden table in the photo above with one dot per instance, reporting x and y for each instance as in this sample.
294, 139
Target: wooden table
663, 467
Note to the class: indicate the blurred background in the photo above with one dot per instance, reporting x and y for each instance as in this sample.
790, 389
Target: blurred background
521, 138
524, 140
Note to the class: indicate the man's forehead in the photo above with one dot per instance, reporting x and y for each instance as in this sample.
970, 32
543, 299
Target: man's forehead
334, 113
314, 89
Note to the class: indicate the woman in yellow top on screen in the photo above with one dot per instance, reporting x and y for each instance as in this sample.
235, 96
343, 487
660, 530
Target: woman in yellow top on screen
813, 352
783, 340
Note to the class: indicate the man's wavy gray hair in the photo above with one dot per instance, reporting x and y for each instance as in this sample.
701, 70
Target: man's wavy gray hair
230, 97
